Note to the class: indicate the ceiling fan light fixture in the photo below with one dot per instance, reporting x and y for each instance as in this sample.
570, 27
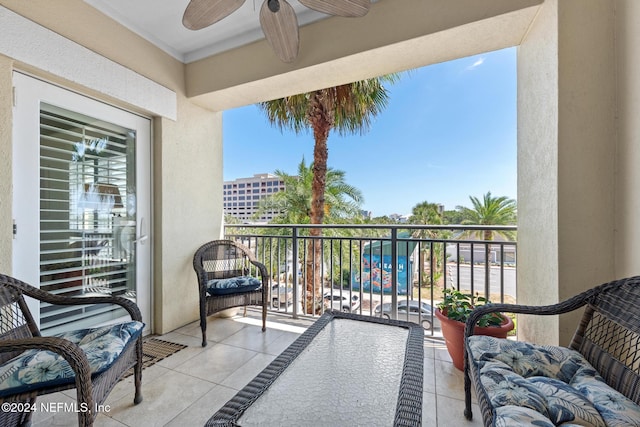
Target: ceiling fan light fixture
277, 18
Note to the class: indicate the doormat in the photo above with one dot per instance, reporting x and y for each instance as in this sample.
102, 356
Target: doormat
154, 350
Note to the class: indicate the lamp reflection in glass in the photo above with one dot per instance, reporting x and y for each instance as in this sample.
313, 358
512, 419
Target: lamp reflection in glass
100, 197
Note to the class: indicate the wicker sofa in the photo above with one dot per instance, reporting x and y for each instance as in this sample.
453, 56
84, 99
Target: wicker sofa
593, 382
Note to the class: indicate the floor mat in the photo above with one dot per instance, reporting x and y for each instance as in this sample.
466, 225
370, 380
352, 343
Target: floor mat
154, 350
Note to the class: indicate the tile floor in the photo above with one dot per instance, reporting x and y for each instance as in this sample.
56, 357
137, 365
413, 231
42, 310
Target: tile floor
186, 389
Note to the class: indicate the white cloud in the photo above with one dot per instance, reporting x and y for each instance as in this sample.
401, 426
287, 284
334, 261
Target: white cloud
476, 64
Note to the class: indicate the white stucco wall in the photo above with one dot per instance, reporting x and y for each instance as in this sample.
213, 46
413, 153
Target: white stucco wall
189, 199
627, 206
187, 143
39, 47
566, 159
6, 96
587, 148
394, 36
538, 268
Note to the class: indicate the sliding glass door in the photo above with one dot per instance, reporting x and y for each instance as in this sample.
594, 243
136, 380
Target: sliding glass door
81, 202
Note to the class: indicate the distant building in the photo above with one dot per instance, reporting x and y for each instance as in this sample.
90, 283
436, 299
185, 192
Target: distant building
242, 196
366, 214
399, 218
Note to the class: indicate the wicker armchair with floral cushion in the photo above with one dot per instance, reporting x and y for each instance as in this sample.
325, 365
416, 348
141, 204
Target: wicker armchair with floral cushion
228, 276
90, 360
593, 382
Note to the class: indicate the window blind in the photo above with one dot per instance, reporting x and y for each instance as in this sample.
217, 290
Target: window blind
86, 195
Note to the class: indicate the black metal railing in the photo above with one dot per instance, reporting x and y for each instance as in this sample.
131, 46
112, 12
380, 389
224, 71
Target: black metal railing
395, 271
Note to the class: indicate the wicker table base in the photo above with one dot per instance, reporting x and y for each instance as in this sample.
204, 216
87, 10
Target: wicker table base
345, 369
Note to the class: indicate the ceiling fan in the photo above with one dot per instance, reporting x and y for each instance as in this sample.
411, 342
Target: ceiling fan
277, 18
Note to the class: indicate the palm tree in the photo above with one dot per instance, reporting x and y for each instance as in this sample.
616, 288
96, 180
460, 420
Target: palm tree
490, 211
347, 108
426, 213
429, 214
293, 205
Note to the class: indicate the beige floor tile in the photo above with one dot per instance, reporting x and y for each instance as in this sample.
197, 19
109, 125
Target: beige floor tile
252, 338
280, 344
218, 329
244, 374
216, 363
441, 353
163, 400
449, 380
192, 329
429, 375
48, 413
429, 351
429, 414
202, 409
194, 347
181, 357
105, 421
450, 413
182, 338
125, 387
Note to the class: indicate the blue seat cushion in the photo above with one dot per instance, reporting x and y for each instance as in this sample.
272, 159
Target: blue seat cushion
529, 384
233, 285
35, 369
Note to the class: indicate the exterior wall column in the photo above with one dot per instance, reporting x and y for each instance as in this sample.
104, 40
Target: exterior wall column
6, 169
628, 133
187, 205
566, 159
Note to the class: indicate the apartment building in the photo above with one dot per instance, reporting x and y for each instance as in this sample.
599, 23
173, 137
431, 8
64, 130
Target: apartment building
242, 196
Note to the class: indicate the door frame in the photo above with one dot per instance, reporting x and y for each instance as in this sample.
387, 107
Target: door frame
29, 93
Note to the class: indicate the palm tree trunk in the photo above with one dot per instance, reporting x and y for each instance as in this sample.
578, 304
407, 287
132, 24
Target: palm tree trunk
424, 270
321, 118
313, 276
488, 236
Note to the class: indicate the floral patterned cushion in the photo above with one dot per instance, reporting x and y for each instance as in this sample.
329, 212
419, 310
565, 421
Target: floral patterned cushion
232, 285
527, 384
37, 368
616, 408
510, 415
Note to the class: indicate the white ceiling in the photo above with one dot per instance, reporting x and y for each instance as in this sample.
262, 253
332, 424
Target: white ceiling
160, 22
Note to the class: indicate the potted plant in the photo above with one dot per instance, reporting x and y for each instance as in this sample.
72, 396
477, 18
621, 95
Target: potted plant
453, 312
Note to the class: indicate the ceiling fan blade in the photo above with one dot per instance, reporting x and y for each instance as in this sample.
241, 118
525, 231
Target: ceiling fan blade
202, 13
348, 8
281, 29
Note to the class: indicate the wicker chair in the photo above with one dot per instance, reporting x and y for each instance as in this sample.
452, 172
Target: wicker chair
608, 337
222, 260
20, 340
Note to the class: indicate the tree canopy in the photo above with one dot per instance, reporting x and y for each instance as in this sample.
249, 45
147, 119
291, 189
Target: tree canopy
490, 211
294, 203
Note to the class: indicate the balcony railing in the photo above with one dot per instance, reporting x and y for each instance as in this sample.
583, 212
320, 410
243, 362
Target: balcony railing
395, 271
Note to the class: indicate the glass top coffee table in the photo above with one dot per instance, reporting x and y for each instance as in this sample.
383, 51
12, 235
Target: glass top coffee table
346, 369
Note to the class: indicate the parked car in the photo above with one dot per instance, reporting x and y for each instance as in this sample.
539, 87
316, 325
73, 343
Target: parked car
417, 313
281, 296
341, 301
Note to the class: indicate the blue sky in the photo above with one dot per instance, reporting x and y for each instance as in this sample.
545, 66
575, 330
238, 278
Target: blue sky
449, 132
